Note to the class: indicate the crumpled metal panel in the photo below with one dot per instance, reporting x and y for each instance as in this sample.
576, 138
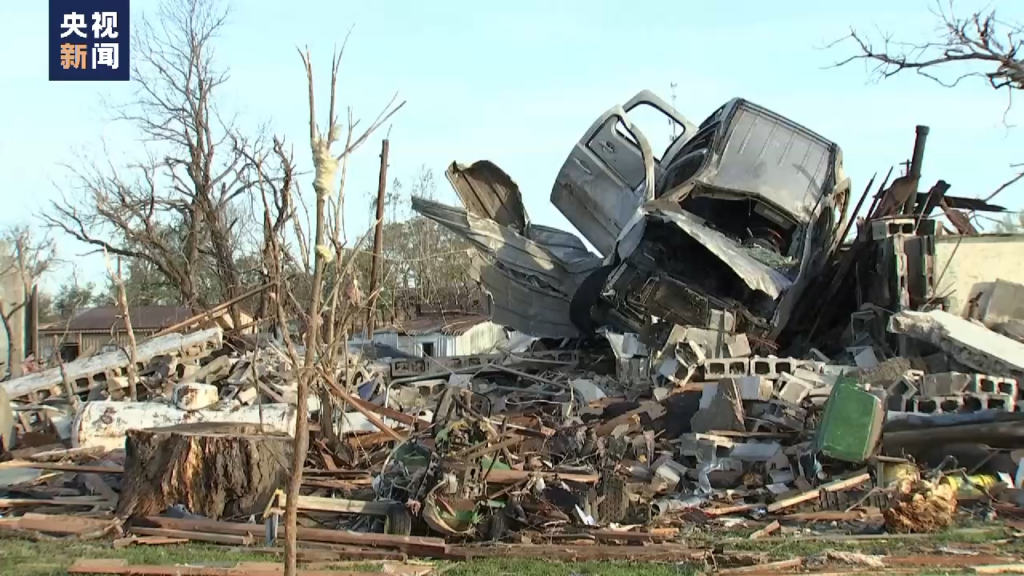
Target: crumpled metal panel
522, 306
531, 280
488, 192
753, 273
513, 250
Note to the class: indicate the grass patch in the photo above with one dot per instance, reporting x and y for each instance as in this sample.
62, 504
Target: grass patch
51, 558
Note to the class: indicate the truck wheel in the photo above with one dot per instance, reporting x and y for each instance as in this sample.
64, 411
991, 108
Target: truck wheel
398, 521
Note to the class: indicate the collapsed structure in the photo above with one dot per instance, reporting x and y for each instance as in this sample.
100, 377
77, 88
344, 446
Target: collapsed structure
743, 346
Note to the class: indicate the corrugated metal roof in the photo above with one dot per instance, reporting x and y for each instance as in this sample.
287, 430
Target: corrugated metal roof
454, 324
103, 318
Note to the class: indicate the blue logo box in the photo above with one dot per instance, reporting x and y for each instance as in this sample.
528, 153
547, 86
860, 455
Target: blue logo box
89, 40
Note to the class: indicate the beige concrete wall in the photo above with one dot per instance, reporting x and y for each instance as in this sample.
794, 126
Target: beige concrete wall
967, 265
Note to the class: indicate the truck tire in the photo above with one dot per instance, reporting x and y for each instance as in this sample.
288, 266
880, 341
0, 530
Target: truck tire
398, 521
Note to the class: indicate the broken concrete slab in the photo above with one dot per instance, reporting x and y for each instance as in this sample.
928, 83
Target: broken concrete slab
751, 388
968, 343
738, 346
724, 413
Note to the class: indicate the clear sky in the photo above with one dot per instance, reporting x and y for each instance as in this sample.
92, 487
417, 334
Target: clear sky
519, 82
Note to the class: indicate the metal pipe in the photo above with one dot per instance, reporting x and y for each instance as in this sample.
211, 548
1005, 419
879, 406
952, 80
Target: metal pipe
378, 239
915, 167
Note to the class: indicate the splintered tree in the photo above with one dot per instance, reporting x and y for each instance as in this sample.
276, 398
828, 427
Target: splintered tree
321, 262
175, 210
24, 260
980, 46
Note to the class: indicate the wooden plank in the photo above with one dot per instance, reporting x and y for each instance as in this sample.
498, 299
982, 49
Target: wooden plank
770, 566
342, 505
69, 501
309, 534
118, 566
63, 524
835, 486
62, 467
148, 541
328, 553
766, 531
234, 540
1000, 569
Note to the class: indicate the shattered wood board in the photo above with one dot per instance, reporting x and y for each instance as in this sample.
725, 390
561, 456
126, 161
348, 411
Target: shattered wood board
969, 343
85, 368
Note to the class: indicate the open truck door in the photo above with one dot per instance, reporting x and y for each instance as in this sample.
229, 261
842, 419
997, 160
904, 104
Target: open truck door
612, 169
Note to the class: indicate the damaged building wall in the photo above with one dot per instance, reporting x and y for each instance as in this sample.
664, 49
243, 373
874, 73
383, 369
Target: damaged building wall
968, 265
478, 339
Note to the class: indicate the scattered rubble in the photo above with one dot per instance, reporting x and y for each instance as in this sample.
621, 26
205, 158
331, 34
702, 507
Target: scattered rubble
768, 389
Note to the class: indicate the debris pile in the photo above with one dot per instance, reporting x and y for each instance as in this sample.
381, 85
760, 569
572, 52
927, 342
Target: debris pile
708, 371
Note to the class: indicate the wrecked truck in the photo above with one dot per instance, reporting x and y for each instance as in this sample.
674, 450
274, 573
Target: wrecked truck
724, 230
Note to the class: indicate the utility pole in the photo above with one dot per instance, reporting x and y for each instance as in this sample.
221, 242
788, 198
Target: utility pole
378, 240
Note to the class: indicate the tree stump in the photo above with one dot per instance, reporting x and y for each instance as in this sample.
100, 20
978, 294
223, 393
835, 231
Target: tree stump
215, 470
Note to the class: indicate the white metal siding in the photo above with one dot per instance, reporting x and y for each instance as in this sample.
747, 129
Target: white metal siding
479, 339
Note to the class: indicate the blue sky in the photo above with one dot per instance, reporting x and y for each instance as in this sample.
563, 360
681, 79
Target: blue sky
518, 83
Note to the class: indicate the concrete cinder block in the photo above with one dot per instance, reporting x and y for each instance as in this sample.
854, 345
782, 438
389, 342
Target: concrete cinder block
883, 228
718, 368
792, 389
194, 396
819, 379
976, 402
771, 367
935, 404
985, 384
944, 384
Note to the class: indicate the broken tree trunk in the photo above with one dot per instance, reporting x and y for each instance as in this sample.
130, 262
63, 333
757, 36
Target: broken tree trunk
214, 470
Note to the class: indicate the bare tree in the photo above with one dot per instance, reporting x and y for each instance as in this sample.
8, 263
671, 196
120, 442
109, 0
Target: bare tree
25, 261
173, 209
980, 46
293, 258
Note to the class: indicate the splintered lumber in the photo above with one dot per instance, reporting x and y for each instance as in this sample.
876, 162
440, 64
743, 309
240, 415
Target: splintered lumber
835, 486
213, 470
120, 566
406, 543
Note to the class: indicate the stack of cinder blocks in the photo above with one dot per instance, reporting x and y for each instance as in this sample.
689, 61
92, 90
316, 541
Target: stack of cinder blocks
951, 392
